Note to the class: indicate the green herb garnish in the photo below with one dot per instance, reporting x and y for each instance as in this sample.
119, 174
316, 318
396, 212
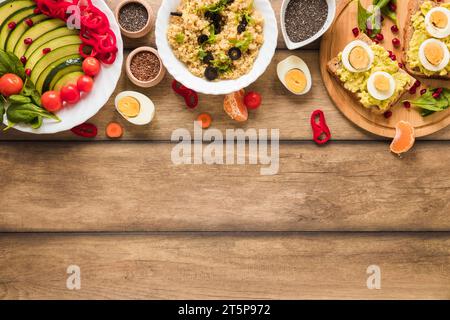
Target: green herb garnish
372, 18
244, 43
179, 38
429, 104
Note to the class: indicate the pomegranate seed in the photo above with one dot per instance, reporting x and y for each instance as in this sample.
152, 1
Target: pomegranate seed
436, 95
413, 90
355, 32
12, 25
388, 114
396, 42
29, 22
380, 37
390, 53
376, 41
417, 84
400, 65
439, 90
394, 57
369, 32
28, 41
28, 72
394, 29
46, 50
392, 7
407, 104
37, 11
23, 59
423, 91
382, 18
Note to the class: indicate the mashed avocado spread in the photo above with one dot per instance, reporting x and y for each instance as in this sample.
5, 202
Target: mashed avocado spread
419, 36
357, 82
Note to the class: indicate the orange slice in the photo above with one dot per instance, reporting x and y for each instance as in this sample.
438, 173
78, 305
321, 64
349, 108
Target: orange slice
404, 138
234, 106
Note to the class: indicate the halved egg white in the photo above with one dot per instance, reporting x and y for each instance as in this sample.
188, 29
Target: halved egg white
377, 94
147, 108
346, 55
294, 63
433, 30
427, 64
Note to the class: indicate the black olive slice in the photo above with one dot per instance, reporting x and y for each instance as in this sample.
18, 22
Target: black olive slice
176, 14
208, 58
202, 39
244, 21
234, 53
211, 73
241, 28
217, 28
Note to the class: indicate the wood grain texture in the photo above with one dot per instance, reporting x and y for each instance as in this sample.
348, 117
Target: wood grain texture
335, 40
225, 266
135, 187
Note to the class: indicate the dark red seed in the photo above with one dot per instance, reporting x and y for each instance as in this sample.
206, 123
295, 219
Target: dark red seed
380, 37
439, 90
23, 59
29, 22
376, 41
394, 29
355, 32
28, 72
394, 57
436, 95
392, 7
37, 11
407, 104
388, 114
28, 41
46, 50
390, 53
413, 90
12, 25
401, 65
396, 42
417, 84
423, 91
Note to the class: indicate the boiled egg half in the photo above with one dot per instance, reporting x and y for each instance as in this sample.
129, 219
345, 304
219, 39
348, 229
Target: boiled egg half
357, 56
381, 85
437, 22
434, 55
294, 74
135, 107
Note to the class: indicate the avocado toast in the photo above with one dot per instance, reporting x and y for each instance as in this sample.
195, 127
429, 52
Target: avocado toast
416, 34
378, 74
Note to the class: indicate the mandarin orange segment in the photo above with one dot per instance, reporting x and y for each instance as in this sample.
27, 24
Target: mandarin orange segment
234, 106
404, 138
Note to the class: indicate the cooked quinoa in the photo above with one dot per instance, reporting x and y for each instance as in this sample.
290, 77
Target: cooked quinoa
216, 39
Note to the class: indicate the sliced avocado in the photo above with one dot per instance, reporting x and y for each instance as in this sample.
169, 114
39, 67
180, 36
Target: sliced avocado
40, 33
20, 29
70, 78
57, 70
46, 60
8, 8
53, 45
15, 17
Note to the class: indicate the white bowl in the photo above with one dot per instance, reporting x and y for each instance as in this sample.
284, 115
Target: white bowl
179, 71
296, 45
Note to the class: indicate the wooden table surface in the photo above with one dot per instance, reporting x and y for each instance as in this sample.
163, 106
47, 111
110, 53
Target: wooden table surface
139, 226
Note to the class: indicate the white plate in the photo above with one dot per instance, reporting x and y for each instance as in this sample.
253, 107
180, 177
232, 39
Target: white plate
179, 71
90, 104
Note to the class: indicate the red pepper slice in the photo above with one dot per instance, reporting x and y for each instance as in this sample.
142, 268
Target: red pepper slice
85, 130
190, 96
106, 42
322, 133
179, 88
108, 57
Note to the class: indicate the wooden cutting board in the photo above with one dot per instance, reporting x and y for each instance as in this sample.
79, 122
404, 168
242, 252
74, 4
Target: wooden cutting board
335, 40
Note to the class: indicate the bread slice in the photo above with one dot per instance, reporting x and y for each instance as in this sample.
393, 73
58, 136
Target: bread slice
413, 7
334, 64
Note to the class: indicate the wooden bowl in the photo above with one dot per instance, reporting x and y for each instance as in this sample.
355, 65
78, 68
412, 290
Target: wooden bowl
145, 84
148, 26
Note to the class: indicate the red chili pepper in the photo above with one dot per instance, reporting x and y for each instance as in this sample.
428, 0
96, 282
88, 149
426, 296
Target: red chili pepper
179, 88
190, 96
85, 130
321, 131
108, 57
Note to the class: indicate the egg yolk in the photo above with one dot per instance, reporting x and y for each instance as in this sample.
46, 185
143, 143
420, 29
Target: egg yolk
129, 107
434, 53
359, 58
295, 80
382, 83
439, 19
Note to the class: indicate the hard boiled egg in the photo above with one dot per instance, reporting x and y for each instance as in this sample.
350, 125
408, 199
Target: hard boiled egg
357, 56
294, 74
437, 22
381, 85
135, 107
434, 55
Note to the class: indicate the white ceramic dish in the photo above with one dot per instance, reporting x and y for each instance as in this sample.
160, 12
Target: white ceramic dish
90, 104
296, 45
178, 70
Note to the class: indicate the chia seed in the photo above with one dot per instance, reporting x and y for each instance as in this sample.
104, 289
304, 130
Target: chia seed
133, 17
304, 18
145, 66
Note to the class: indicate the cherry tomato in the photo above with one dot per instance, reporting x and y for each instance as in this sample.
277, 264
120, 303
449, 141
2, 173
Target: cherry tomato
10, 84
70, 94
252, 100
91, 66
85, 84
51, 101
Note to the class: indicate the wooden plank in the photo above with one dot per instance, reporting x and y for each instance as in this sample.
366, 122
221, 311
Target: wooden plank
226, 266
280, 110
136, 187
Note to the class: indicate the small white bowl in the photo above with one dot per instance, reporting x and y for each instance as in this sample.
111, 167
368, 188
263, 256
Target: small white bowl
296, 45
179, 71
